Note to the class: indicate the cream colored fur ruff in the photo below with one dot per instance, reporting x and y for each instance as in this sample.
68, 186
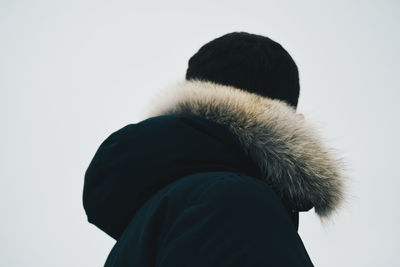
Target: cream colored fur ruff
289, 151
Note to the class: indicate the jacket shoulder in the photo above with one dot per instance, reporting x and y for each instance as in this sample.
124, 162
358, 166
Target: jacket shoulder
212, 219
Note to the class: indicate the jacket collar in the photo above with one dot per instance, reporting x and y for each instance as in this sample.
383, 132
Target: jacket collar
289, 152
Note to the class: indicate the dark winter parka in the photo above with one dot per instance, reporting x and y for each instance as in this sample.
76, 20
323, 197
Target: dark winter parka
215, 176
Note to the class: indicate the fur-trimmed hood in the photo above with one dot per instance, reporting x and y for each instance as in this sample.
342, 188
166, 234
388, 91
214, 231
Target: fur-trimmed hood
289, 152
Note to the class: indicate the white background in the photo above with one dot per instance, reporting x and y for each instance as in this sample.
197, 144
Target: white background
73, 72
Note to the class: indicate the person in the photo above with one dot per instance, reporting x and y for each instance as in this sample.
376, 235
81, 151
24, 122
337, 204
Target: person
218, 171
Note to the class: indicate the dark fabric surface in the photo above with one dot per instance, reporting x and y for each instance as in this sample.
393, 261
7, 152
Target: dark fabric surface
177, 190
211, 219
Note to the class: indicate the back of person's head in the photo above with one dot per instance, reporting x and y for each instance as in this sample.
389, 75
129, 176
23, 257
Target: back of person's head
250, 62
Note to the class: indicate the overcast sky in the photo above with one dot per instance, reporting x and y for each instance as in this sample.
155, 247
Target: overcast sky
73, 72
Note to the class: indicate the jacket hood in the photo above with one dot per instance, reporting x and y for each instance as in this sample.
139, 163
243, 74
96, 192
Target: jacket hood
140, 159
196, 127
289, 152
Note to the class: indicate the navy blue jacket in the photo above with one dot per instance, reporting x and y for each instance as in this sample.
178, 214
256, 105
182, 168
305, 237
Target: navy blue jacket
186, 188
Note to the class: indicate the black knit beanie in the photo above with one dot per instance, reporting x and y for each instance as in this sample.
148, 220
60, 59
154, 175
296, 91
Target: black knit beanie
250, 62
